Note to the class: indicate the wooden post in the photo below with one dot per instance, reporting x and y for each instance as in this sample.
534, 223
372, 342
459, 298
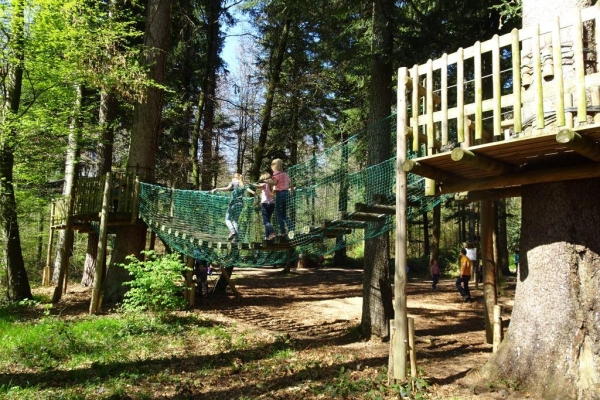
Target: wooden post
96, 301
488, 265
58, 290
135, 200
190, 292
411, 346
497, 327
399, 343
46, 275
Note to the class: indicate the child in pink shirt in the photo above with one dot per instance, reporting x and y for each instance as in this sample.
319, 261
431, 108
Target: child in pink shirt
282, 195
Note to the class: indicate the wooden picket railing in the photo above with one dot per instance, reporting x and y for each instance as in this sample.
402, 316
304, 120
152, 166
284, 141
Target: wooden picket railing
87, 203
478, 94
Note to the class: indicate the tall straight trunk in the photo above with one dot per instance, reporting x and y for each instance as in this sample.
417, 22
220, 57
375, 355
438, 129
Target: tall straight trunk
209, 90
435, 232
65, 236
377, 295
18, 282
64, 248
131, 239
106, 120
274, 78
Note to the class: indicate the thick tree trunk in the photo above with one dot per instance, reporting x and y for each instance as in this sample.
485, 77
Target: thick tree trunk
552, 347
144, 141
377, 300
18, 282
89, 267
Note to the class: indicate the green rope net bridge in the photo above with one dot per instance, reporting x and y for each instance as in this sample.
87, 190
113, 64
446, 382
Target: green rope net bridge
337, 202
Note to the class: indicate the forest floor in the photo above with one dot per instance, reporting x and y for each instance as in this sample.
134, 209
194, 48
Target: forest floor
318, 307
313, 315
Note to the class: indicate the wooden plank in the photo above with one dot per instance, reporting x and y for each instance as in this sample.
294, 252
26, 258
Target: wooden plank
516, 65
481, 162
493, 194
478, 92
444, 96
427, 171
525, 178
429, 108
537, 79
415, 108
578, 58
559, 98
580, 144
497, 86
460, 96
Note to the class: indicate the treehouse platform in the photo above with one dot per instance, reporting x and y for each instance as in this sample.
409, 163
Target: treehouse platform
518, 109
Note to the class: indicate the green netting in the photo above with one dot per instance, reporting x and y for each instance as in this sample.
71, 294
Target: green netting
322, 209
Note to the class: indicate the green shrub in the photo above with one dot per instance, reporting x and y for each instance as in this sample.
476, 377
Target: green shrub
157, 283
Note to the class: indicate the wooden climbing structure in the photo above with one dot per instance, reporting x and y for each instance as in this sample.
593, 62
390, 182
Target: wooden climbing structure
518, 109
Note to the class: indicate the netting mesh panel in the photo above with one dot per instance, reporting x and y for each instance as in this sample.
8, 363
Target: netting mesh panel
322, 209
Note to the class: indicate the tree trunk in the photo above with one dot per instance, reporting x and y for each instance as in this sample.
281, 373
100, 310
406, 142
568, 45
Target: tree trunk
208, 94
435, 232
502, 238
18, 282
89, 267
144, 141
274, 77
106, 120
376, 301
552, 347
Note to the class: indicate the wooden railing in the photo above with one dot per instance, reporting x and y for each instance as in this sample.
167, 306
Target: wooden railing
479, 94
87, 203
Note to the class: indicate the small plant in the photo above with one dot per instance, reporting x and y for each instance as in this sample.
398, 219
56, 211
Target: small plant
157, 283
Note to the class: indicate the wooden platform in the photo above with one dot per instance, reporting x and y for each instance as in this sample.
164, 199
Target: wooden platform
510, 163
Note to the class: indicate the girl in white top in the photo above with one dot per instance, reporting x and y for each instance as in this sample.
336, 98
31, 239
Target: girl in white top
267, 203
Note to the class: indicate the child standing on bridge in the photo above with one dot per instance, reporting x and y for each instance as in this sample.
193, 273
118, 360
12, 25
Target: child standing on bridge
282, 194
236, 204
267, 203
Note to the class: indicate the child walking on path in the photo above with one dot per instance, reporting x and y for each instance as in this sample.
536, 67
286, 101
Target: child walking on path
435, 274
267, 203
282, 195
236, 204
462, 283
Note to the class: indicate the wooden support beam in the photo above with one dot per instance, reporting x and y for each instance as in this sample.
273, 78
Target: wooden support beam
493, 194
585, 171
360, 216
422, 90
375, 208
580, 144
423, 139
481, 162
427, 171
331, 233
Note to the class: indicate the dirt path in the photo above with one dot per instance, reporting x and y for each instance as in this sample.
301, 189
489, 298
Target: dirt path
319, 306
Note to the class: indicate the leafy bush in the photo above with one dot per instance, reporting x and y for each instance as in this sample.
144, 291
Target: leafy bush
157, 283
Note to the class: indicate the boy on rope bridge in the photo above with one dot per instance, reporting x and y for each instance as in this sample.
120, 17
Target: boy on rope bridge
282, 194
236, 204
267, 203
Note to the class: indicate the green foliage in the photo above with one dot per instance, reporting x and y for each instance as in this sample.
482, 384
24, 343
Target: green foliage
157, 283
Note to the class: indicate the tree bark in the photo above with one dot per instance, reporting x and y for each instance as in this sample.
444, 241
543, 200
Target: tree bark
131, 240
18, 282
208, 94
552, 347
274, 77
374, 321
